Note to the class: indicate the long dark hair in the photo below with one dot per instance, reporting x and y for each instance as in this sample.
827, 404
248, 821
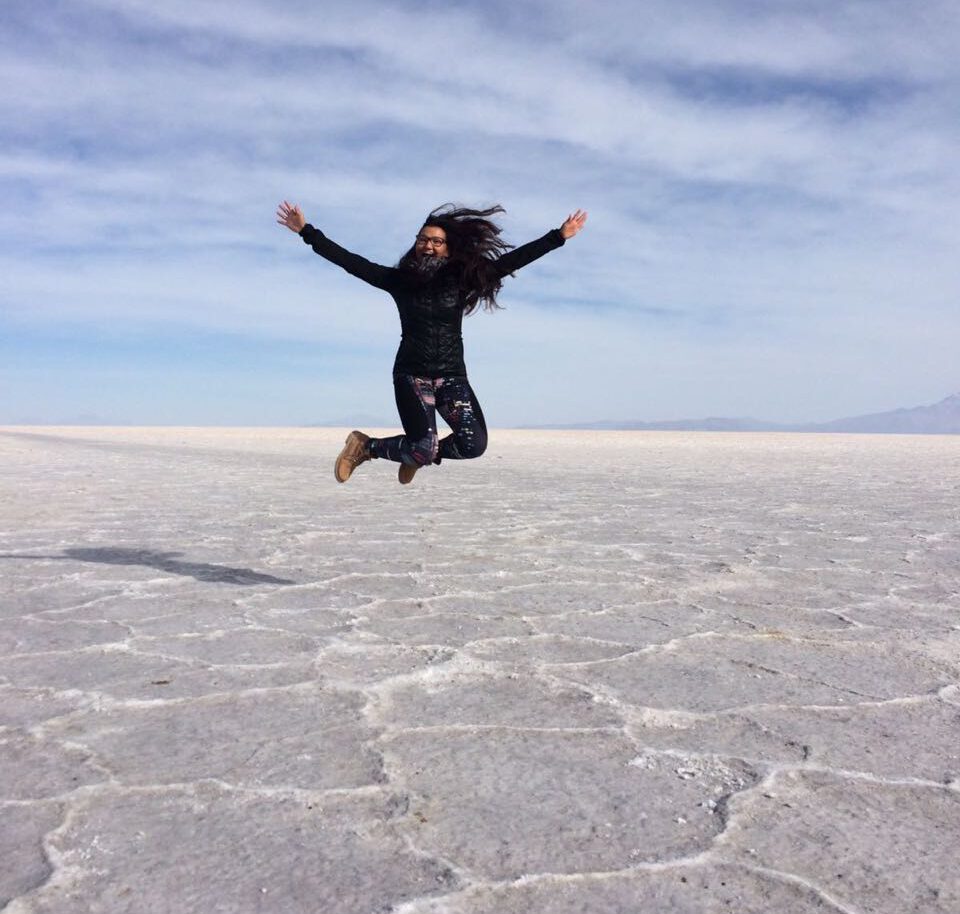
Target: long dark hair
473, 245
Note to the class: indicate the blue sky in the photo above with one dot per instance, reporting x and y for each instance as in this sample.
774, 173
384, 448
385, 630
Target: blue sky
772, 189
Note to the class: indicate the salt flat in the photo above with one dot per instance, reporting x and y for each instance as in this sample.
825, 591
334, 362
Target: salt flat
589, 672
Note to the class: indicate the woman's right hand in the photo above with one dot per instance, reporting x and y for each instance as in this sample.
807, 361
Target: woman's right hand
290, 215
573, 223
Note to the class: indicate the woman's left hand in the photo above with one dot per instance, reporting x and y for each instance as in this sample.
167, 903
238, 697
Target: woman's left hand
290, 215
574, 222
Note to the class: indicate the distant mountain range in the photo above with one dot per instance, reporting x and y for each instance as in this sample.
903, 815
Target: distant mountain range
941, 418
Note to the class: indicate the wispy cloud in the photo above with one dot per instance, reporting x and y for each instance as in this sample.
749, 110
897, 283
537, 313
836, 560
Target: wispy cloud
771, 186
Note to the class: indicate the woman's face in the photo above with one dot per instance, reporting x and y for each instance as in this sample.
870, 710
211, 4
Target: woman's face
431, 240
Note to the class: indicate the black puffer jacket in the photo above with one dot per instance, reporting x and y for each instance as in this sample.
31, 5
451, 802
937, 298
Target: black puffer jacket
431, 312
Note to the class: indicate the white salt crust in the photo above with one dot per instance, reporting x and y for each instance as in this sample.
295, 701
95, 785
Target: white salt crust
610, 671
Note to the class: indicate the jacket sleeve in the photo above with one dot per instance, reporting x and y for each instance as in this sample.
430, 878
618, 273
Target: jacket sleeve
527, 253
372, 273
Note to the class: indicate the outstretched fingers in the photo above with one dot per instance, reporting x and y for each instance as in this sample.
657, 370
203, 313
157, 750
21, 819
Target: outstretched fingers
291, 216
573, 223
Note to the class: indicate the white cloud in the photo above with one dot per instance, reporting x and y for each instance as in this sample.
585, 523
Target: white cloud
768, 184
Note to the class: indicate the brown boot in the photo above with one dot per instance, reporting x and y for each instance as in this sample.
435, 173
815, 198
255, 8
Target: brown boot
355, 451
406, 472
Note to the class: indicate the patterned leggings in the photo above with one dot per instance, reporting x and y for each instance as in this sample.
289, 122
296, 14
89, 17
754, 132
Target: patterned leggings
418, 402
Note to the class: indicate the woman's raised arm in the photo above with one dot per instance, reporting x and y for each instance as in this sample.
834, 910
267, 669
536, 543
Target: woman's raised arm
290, 215
533, 250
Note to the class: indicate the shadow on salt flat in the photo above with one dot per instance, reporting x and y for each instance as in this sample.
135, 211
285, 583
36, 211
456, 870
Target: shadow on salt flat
162, 561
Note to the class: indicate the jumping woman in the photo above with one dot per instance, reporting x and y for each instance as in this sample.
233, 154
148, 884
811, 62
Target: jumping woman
457, 263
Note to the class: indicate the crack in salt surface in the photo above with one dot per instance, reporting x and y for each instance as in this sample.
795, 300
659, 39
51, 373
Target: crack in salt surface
104, 702
766, 785
703, 861
871, 703
50, 862
672, 717
89, 793
57, 868
773, 769
877, 703
793, 879
195, 663
391, 730
662, 647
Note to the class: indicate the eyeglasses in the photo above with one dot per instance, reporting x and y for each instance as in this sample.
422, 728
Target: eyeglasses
426, 239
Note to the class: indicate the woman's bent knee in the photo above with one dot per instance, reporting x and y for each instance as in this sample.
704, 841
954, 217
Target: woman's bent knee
474, 447
425, 450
